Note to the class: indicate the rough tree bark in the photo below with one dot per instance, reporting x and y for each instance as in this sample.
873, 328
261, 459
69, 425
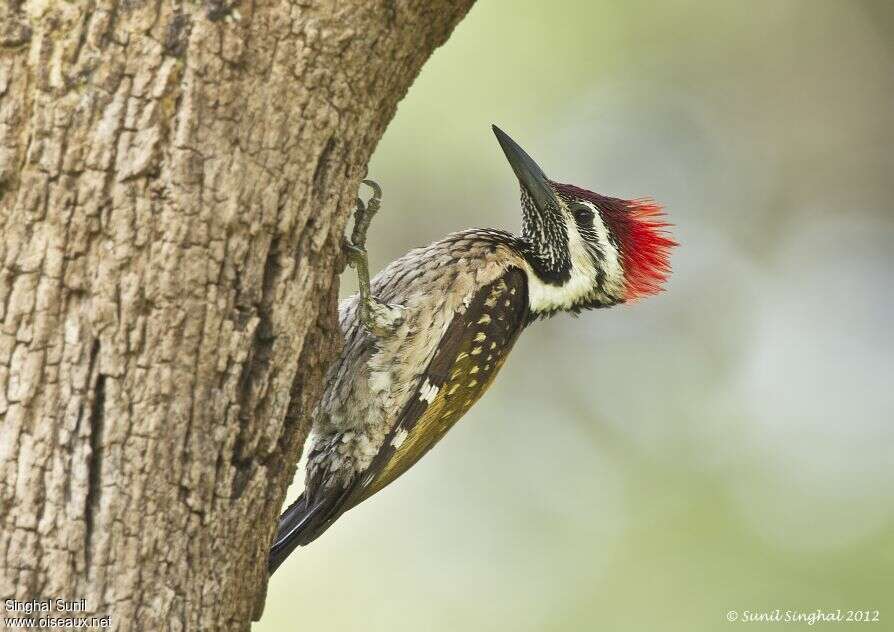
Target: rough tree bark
175, 177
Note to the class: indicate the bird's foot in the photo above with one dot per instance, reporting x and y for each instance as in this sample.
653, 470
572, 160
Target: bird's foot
381, 319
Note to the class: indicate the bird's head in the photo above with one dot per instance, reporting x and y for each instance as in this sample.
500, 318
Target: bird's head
586, 250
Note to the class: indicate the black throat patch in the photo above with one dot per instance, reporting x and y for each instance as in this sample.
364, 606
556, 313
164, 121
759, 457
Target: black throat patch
545, 242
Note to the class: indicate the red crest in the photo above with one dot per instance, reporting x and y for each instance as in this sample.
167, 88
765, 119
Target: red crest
641, 231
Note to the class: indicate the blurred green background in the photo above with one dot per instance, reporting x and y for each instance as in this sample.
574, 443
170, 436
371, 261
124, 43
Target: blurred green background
727, 445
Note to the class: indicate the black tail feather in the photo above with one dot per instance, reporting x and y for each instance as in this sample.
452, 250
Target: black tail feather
298, 525
288, 534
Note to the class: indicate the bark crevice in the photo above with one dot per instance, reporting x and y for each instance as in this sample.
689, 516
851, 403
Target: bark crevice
96, 429
322, 168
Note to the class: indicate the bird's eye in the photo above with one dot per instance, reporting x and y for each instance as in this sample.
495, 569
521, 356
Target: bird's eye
583, 214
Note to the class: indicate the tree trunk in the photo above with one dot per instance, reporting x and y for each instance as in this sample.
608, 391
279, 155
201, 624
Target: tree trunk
175, 177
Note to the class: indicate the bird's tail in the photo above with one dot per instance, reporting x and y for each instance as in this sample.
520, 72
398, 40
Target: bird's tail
300, 524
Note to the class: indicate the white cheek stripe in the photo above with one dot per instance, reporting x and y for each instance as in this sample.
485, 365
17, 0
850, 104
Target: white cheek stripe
582, 282
614, 271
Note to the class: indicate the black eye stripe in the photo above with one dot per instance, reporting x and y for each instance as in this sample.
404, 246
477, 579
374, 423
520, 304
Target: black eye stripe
583, 213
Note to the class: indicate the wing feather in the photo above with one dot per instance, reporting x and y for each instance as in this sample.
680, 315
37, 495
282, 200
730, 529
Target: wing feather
467, 359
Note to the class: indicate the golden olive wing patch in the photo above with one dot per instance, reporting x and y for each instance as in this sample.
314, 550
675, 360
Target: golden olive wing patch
471, 352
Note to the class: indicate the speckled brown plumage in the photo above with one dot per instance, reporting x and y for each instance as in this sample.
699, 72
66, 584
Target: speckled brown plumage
469, 355
381, 387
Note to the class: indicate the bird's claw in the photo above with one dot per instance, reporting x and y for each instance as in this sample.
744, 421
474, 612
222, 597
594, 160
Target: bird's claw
363, 213
379, 318
353, 253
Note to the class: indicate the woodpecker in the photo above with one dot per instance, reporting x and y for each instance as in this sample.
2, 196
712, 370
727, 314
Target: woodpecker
425, 339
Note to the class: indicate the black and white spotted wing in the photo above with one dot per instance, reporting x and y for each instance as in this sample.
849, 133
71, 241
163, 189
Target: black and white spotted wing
468, 358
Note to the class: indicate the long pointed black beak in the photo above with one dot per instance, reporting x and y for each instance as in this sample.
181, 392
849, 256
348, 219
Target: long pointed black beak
529, 174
